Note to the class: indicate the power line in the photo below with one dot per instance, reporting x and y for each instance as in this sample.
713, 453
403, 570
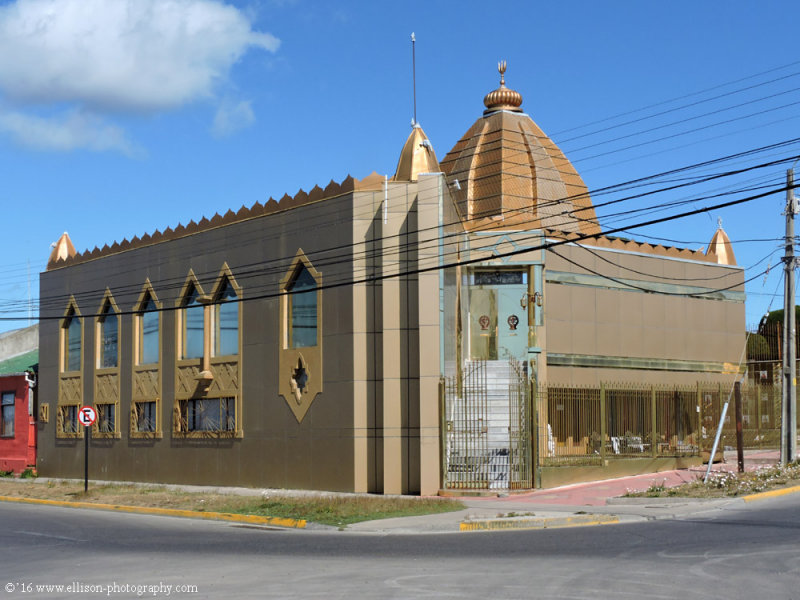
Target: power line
179, 281
675, 99
547, 245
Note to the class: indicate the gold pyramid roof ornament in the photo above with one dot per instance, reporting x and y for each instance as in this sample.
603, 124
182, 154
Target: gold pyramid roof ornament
720, 246
416, 157
62, 249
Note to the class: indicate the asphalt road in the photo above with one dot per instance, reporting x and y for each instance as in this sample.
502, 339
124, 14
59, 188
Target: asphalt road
741, 551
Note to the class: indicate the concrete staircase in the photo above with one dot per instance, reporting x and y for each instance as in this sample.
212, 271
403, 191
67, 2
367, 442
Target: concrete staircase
488, 458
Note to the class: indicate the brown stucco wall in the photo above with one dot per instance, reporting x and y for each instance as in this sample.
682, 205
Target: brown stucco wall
275, 450
597, 321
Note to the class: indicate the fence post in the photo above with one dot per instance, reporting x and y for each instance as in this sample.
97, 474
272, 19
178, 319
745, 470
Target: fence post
533, 442
603, 423
442, 435
699, 412
653, 423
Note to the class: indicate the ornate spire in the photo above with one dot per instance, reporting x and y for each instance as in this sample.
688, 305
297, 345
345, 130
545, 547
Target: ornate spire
502, 98
720, 246
62, 250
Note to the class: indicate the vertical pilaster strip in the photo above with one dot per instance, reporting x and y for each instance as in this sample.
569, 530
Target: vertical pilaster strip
363, 209
394, 460
430, 303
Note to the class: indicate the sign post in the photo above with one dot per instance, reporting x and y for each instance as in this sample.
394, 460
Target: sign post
87, 416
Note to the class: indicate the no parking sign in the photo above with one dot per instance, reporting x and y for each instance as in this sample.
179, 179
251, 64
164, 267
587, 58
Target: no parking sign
87, 416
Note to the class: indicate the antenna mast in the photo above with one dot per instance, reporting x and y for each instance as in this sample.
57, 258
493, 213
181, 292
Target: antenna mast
414, 74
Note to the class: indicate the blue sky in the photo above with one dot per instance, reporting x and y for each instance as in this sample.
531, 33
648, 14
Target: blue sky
121, 117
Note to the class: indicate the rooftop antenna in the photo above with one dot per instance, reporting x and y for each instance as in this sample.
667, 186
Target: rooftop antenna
414, 75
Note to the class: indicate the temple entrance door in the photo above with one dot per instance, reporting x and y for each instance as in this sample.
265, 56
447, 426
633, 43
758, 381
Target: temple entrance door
498, 323
512, 323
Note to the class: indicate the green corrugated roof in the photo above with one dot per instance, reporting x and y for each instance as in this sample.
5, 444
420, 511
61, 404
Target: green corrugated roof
21, 363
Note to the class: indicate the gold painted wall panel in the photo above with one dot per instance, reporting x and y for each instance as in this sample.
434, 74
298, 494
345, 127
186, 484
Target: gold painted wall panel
70, 390
146, 385
106, 389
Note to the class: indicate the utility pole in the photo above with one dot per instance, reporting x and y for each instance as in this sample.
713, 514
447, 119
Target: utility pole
789, 392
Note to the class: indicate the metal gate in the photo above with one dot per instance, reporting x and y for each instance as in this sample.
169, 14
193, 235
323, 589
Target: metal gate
486, 427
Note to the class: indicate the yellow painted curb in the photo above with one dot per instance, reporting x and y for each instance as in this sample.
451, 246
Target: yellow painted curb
544, 523
771, 494
170, 512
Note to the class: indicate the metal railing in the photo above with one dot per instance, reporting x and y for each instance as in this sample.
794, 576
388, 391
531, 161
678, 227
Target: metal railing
588, 425
486, 429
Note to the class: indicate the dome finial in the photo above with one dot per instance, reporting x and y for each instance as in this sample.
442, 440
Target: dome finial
502, 98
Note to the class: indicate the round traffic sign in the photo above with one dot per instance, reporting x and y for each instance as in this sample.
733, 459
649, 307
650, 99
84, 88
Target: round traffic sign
87, 416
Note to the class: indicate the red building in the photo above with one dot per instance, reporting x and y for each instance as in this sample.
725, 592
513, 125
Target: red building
17, 412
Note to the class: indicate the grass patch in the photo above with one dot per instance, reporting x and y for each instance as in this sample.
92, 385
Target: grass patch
333, 509
341, 511
724, 484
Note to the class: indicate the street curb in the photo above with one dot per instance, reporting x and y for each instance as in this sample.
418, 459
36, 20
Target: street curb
540, 523
168, 512
772, 494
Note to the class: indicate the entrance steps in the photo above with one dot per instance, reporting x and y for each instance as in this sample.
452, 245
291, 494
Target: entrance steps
486, 409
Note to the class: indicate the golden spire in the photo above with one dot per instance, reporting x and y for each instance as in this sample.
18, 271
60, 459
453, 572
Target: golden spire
502, 98
416, 157
720, 246
62, 250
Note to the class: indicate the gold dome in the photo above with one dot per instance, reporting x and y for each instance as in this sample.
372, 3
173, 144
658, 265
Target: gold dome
502, 98
508, 170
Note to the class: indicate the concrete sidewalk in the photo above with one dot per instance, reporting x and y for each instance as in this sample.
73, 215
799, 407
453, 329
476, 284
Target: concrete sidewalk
581, 504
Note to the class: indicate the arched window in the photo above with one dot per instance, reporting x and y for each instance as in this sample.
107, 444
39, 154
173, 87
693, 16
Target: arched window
147, 331
302, 309
226, 321
70, 378
192, 325
71, 335
107, 336
145, 416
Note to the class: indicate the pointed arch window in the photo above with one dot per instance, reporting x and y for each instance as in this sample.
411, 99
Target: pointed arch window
107, 336
302, 309
192, 325
147, 317
70, 378
301, 336
72, 340
145, 415
225, 330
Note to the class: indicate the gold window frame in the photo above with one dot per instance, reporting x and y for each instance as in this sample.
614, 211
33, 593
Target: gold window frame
106, 379
146, 377
300, 369
70, 383
209, 377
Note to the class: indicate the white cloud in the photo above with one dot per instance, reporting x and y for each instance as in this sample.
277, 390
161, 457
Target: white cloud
231, 118
121, 55
74, 130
